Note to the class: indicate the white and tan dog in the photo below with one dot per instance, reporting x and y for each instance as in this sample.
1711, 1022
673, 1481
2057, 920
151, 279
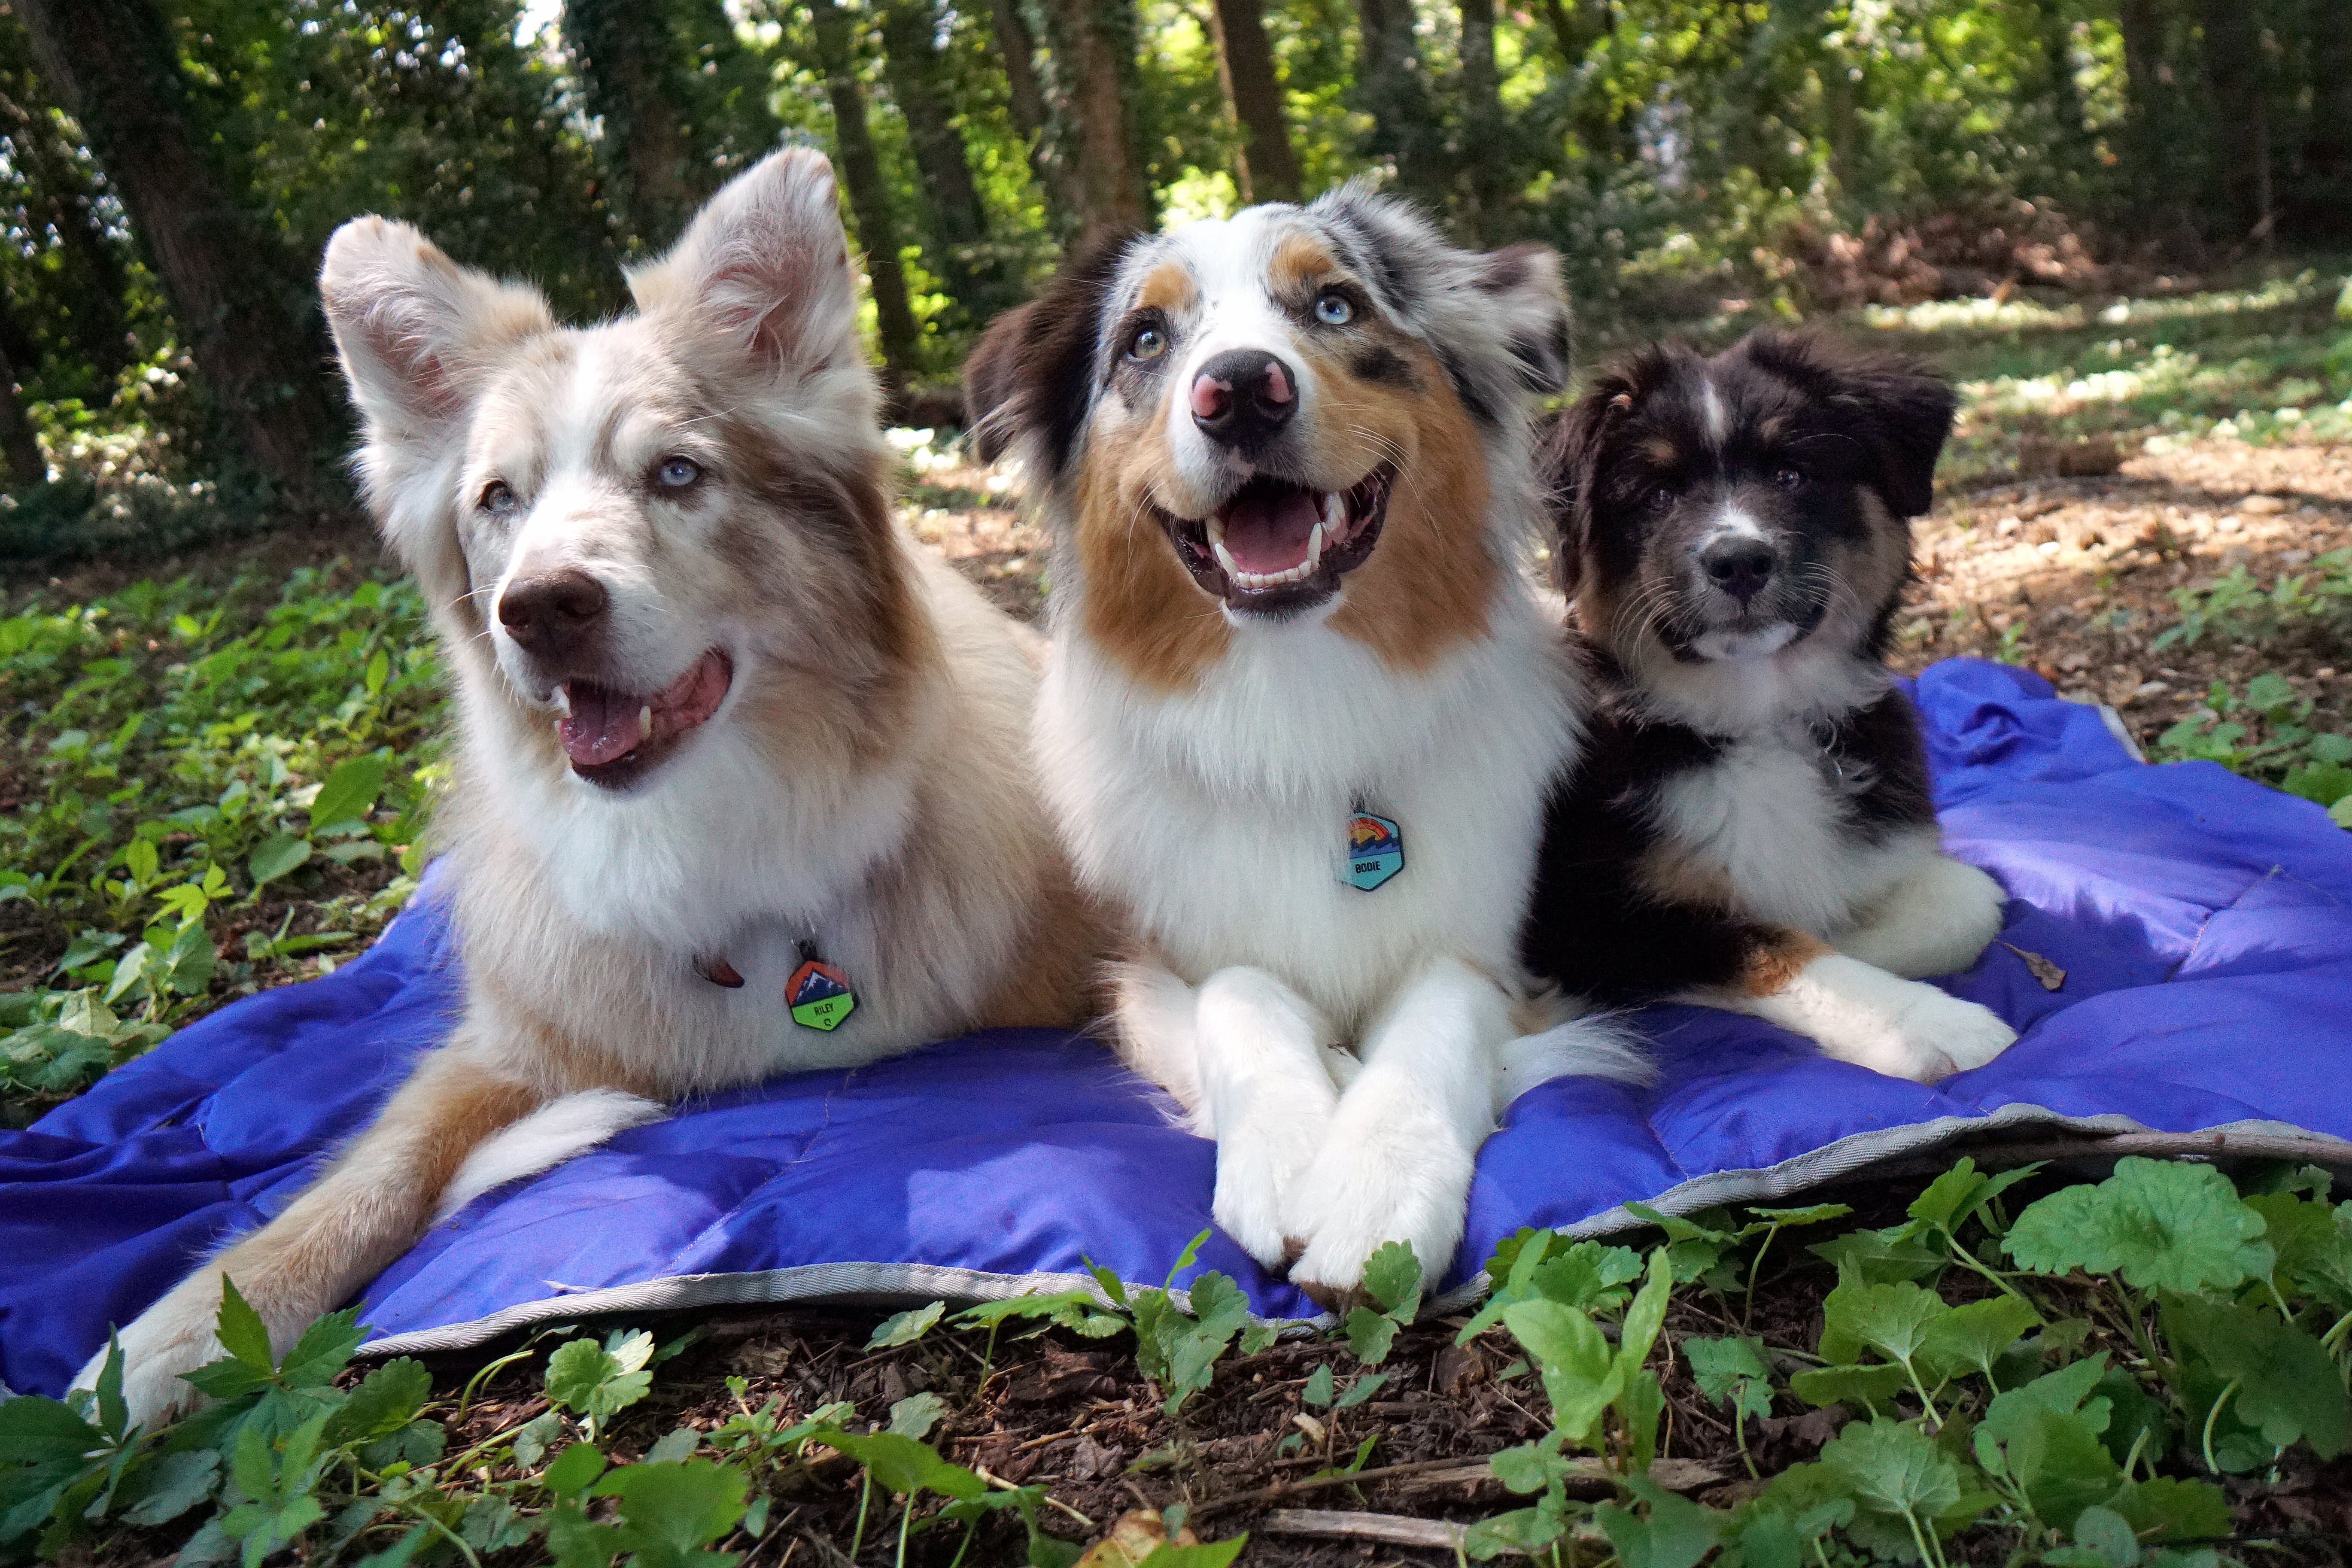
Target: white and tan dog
721, 721
1302, 712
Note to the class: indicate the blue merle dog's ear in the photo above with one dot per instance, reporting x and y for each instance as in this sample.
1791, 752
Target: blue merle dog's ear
1498, 322
1900, 408
1032, 379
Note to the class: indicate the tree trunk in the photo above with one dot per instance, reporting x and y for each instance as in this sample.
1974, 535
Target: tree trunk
60, 199
2234, 67
1017, 47
1486, 131
114, 65
869, 194
1390, 88
2148, 113
28, 465
1267, 168
957, 232
2327, 213
1092, 46
629, 79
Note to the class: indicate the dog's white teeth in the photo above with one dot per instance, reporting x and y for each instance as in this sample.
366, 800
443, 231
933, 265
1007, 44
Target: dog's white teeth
1335, 509
1216, 529
1314, 553
1225, 557
646, 722
561, 697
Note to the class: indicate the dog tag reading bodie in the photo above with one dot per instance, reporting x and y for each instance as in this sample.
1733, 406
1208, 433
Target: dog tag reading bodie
1375, 851
819, 996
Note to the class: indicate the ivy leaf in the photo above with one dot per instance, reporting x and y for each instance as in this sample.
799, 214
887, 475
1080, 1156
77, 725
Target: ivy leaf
1318, 1390
2160, 1226
1894, 1468
1868, 1387
904, 1328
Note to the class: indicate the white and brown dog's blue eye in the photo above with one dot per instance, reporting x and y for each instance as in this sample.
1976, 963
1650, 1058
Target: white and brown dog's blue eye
498, 499
1148, 343
1333, 310
1788, 479
676, 473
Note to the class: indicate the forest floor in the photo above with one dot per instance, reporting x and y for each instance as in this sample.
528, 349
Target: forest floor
2149, 502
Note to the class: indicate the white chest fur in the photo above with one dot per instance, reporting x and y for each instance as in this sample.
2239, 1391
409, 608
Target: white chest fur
1768, 812
1217, 817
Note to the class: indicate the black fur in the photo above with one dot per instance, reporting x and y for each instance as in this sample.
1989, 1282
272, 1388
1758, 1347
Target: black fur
1598, 923
1035, 367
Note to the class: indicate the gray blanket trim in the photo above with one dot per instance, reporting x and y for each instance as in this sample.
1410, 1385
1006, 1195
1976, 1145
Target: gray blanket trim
2104, 1138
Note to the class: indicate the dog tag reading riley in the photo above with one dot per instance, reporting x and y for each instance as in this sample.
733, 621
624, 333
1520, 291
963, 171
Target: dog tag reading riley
1375, 851
819, 996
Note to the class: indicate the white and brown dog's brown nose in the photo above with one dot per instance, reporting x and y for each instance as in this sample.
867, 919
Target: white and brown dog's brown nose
555, 617
1242, 397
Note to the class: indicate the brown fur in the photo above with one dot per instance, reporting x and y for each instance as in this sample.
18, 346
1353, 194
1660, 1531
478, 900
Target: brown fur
1774, 962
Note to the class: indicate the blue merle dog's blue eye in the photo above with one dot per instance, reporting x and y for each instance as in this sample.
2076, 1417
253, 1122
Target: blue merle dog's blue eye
676, 473
1333, 310
498, 499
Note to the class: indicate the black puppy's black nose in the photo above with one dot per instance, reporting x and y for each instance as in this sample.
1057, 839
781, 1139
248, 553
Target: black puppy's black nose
1244, 397
553, 616
1740, 567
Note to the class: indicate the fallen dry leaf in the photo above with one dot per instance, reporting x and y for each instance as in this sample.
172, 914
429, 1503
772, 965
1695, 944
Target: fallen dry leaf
1136, 1536
2049, 973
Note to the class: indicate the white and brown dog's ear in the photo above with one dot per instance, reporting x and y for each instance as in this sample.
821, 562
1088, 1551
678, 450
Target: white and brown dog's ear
1499, 321
1031, 381
416, 332
765, 267
1901, 409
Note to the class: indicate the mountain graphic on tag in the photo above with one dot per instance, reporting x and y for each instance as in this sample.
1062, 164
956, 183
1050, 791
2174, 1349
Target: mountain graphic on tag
819, 996
1375, 851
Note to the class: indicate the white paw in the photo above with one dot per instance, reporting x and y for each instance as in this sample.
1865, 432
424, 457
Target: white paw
1925, 1035
172, 1337
1387, 1171
1938, 921
1257, 1162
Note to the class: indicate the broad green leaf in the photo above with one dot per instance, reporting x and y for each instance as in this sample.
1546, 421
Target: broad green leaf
574, 1469
323, 1350
1647, 1314
2168, 1510
1370, 1334
2288, 1386
2160, 1226
1675, 1532
1363, 1388
1526, 1531
679, 1506
679, 1443
904, 1328
1393, 1276
901, 1465
1581, 1373
1868, 1387
386, 1399
186, 967
1318, 1390
1205, 1554
1892, 1319
2107, 1534
1954, 1197
1882, 1257
915, 1416
170, 1487
1529, 1468
35, 1431
240, 1330
1893, 1468
1730, 1372
350, 793
585, 1377
279, 855
1971, 1338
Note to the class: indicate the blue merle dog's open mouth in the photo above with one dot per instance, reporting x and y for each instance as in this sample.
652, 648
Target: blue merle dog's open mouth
1275, 546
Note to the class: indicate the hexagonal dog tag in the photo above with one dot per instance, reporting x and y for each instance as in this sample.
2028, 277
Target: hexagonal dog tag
819, 996
1375, 851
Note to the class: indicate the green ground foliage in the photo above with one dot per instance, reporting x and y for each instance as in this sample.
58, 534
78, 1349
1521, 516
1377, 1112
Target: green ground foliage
2068, 1384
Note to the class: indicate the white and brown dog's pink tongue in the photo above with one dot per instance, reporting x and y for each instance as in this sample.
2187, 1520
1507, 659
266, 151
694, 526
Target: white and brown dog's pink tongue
604, 725
1268, 532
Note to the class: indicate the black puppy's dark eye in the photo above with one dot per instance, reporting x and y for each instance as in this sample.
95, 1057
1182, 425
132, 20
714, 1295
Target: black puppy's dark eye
1660, 498
1788, 478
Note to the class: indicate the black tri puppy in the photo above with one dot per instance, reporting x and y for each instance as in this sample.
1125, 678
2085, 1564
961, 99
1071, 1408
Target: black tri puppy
1750, 826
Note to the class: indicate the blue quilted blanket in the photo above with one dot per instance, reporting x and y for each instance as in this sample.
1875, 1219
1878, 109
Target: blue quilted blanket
2201, 923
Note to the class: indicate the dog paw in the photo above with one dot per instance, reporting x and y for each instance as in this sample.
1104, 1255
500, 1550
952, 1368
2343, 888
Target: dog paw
1403, 1176
1918, 1032
1257, 1162
173, 1336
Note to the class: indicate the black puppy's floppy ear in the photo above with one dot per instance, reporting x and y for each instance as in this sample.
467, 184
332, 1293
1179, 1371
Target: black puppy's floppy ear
1570, 445
1032, 377
1899, 408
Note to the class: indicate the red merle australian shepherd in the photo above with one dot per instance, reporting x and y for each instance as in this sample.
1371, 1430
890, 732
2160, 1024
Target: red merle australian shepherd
1751, 826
